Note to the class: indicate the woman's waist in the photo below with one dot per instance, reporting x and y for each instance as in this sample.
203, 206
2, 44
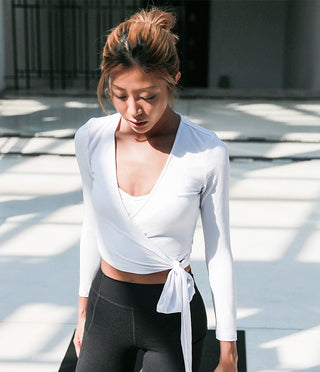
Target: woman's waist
158, 277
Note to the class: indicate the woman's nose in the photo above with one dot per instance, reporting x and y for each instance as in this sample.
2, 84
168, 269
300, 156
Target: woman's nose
134, 109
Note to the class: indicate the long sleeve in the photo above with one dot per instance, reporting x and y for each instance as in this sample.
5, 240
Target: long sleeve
89, 254
215, 222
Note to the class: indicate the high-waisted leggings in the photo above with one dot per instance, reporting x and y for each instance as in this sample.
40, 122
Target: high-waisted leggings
122, 319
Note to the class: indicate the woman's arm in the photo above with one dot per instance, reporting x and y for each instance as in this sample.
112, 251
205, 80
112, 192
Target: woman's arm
215, 223
228, 357
78, 336
89, 255
90, 259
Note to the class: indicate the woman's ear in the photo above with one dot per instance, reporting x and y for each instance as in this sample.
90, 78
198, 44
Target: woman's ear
178, 76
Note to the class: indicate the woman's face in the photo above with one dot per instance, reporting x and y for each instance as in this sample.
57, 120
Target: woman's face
141, 98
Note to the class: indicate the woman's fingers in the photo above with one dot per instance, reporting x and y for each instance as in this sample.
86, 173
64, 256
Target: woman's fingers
78, 336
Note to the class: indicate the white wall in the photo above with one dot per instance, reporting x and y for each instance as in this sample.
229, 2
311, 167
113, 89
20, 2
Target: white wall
247, 43
302, 67
2, 46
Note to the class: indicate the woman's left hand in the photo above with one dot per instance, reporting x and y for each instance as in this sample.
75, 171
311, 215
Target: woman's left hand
226, 367
228, 357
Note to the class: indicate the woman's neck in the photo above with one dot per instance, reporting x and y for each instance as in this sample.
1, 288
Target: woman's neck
166, 126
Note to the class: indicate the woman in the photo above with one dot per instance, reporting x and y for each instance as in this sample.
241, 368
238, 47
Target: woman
147, 173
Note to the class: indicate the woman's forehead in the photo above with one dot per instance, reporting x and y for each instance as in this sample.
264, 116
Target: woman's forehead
135, 78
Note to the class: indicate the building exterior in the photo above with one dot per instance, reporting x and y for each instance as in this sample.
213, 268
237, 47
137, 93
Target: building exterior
2, 51
243, 45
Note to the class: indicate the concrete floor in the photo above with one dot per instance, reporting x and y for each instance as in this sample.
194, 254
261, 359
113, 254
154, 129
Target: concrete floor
275, 227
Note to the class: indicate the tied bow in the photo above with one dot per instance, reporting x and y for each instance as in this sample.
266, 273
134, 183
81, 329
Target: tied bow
175, 297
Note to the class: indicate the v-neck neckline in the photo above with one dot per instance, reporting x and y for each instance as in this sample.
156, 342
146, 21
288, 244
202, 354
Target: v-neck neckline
161, 175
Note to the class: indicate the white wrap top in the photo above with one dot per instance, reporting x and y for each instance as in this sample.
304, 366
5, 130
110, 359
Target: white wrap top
160, 234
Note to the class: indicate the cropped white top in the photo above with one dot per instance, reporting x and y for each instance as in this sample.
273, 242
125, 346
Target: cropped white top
159, 236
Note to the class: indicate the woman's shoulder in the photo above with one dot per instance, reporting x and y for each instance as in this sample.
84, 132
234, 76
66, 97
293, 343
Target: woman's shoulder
206, 146
96, 126
202, 137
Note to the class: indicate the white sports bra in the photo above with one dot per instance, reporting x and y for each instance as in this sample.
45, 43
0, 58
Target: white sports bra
132, 203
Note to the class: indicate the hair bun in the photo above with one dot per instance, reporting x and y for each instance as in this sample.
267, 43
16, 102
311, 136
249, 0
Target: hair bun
144, 40
157, 17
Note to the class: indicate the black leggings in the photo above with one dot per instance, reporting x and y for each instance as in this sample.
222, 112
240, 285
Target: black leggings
122, 318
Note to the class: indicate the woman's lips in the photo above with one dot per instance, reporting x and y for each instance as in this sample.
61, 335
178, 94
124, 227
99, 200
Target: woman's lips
137, 123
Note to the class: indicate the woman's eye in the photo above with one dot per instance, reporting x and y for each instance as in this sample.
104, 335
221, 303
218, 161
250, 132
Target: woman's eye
120, 97
148, 98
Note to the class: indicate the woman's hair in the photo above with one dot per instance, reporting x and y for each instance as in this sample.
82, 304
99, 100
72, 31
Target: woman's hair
146, 41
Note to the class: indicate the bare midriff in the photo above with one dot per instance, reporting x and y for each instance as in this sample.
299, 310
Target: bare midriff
159, 277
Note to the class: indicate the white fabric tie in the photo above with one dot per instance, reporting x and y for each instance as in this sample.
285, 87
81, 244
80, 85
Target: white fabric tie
175, 297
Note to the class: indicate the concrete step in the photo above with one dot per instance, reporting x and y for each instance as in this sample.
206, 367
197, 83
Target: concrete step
237, 149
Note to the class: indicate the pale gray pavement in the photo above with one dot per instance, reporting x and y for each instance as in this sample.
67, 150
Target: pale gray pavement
275, 227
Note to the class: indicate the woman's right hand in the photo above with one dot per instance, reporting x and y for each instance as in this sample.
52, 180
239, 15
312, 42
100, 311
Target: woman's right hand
78, 336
